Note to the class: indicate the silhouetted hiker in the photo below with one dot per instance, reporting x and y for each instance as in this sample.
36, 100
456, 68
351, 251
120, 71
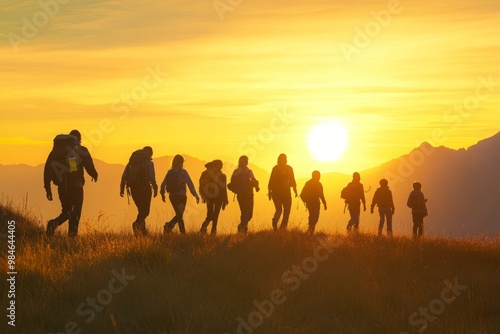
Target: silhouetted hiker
354, 194
213, 192
139, 176
383, 199
64, 167
417, 203
280, 182
175, 185
242, 183
311, 194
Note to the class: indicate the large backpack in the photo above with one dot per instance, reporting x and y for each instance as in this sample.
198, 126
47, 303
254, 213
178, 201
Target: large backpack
347, 194
137, 169
306, 194
212, 185
280, 179
240, 181
174, 180
64, 160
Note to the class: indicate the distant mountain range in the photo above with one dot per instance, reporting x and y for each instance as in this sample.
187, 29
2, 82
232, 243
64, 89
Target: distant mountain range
462, 188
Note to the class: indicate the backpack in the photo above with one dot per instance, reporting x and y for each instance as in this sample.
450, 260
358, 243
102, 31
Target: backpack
212, 185
137, 169
306, 194
280, 180
173, 180
64, 160
240, 181
345, 194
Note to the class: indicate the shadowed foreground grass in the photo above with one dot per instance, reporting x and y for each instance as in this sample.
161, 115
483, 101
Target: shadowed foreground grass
262, 283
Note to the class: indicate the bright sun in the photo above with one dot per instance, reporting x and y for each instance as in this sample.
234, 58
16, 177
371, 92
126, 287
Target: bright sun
328, 141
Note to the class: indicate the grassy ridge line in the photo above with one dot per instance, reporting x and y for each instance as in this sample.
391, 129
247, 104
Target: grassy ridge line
195, 284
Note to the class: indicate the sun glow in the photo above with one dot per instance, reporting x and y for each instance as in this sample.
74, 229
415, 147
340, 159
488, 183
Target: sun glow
328, 141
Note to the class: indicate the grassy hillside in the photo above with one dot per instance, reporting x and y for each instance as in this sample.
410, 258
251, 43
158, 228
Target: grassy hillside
262, 283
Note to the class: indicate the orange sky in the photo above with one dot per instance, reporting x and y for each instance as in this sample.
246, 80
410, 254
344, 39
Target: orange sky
172, 75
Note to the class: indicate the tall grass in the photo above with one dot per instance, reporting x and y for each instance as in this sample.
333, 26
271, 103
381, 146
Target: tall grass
205, 284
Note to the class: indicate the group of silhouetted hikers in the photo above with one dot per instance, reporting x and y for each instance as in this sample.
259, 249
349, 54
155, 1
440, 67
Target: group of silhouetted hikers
68, 159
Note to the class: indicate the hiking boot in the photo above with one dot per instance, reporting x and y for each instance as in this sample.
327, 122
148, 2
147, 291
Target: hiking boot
275, 225
167, 228
136, 228
51, 228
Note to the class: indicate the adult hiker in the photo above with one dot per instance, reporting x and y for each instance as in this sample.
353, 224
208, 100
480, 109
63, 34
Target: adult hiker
213, 192
140, 180
281, 180
64, 167
311, 194
418, 204
242, 184
383, 199
354, 195
174, 184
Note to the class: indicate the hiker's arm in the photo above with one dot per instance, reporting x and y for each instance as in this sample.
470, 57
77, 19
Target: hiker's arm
46, 179
269, 184
122, 183
191, 187
200, 190
152, 178
224, 194
294, 183
374, 200
88, 164
322, 196
254, 181
392, 202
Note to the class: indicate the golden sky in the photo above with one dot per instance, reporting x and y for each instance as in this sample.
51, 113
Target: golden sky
173, 75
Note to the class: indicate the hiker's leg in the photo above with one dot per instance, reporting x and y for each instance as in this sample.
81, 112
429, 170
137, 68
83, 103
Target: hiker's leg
66, 205
354, 211
217, 207
389, 222
246, 206
169, 226
207, 220
415, 225
381, 213
239, 198
313, 209
76, 196
136, 197
179, 203
278, 205
287, 207
421, 225
147, 194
